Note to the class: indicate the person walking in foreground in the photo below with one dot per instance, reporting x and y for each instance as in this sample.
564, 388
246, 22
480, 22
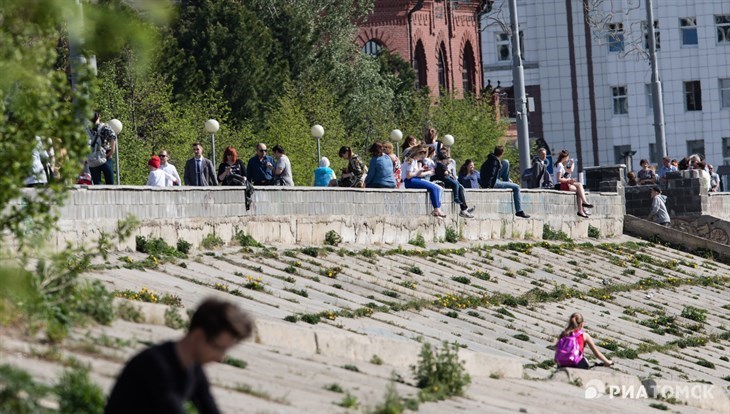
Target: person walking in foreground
569, 348
659, 212
494, 173
163, 377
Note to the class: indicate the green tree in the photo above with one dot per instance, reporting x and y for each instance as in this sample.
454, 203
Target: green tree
473, 125
36, 99
224, 46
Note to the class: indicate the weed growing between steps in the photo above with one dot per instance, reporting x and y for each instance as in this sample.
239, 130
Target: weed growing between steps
440, 374
74, 391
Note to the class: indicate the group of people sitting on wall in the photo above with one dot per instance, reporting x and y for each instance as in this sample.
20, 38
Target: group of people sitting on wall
652, 175
424, 165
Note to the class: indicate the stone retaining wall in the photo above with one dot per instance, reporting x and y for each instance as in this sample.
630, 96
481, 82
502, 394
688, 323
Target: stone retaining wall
303, 215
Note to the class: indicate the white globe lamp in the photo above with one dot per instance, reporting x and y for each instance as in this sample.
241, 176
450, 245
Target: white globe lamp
448, 140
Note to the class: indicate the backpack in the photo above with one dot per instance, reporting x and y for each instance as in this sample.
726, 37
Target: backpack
98, 153
567, 351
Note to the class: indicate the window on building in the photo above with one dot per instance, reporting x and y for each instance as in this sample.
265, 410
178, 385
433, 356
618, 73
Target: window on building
722, 23
696, 146
503, 50
372, 48
619, 152
620, 100
692, 96
504, 46
468, 80
442, 71
688, 31
725, 93
419, 65
726, 150
652, 153
615, 37
645, 29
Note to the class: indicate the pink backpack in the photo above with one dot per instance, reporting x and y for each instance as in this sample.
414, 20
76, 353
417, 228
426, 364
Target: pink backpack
567, 351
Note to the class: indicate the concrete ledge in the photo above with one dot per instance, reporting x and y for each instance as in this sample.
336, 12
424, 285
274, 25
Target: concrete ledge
598, 381
400, 354
644, 228
303, 215
703, 396
152, 313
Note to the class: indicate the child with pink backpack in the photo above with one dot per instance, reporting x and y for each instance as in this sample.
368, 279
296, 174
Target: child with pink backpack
569, 349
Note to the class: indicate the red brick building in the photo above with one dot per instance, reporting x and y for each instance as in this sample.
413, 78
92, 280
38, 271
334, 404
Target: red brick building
439, 37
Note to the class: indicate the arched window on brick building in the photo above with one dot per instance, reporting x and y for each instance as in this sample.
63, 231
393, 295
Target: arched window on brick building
443, 65
468, 70
372, 48
419, 65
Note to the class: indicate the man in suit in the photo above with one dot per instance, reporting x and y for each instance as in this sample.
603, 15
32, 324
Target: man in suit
199, 170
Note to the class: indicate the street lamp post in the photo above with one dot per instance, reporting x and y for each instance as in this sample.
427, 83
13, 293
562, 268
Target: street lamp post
396, 136
116, 126
317, 132
211, 127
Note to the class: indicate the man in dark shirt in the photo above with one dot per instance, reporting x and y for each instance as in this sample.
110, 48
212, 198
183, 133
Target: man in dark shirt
260, 168
163, 377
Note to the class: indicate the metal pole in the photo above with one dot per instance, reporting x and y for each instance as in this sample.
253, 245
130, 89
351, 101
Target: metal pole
656, 87
518, 79
319, 153
116, 153
212, 144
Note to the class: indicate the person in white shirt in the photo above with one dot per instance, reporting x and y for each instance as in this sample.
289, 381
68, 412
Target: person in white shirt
173, 178
157, 177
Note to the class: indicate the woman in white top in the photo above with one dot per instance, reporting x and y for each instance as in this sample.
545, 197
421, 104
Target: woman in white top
415, 176
563, 169
157, 177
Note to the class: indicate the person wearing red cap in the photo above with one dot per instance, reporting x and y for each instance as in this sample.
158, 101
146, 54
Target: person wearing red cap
157, 177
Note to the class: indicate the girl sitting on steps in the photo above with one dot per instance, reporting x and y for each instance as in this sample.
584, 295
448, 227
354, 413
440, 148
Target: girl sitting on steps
569, 349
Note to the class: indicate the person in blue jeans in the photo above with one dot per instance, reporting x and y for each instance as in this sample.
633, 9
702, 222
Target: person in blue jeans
443, 174
495, 174
415, 176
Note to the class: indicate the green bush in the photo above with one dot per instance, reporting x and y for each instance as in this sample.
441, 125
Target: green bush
93, 300
549, 234
129, 312
245, 240
695, 314
451, 235
331, 238
705, 363
173, 319
393, 403
461, 279
349, 401
418, 241
183, 246
235, 362
77, 394
211, 241
19, 394
594, 232
440, 375
157, 247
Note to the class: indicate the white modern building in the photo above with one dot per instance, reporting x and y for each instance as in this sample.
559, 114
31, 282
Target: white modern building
587, 69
